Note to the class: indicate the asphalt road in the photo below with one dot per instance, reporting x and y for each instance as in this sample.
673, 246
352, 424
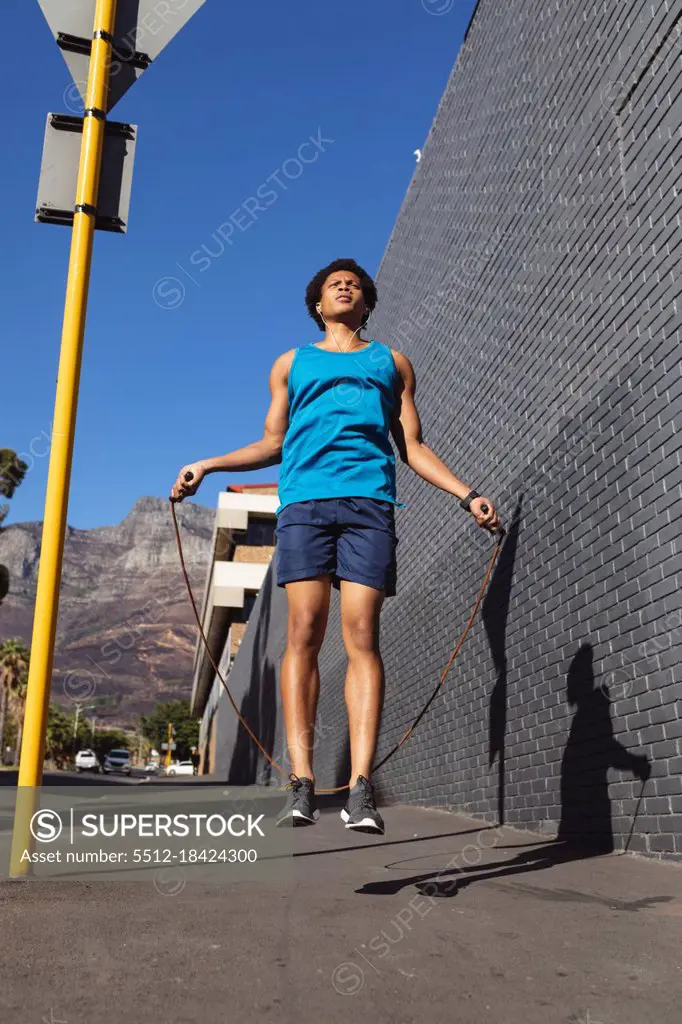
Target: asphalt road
9, 778
441, 918
137, 776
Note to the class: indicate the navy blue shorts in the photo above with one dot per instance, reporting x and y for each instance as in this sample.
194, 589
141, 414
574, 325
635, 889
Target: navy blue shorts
349, 538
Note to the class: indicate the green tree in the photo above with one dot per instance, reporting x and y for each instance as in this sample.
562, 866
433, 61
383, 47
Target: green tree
14, 660
17, 713
59, 735
60, 739
12, 472
185, 728
106, 740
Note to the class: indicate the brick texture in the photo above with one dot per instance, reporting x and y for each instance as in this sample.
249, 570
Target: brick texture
533, 279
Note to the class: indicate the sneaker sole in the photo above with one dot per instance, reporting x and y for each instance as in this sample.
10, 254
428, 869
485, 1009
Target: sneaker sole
367, 825
297, 819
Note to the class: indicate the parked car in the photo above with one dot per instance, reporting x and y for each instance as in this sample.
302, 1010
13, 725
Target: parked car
87, 761
151, 767
180, 768
117, 761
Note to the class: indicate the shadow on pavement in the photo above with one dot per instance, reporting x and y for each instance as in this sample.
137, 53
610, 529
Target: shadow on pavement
446, 884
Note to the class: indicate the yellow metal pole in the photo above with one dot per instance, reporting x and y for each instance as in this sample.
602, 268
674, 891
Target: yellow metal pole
169, 741
61, 449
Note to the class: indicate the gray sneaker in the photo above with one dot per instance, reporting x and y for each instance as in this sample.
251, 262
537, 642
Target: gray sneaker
360, 813
302, 808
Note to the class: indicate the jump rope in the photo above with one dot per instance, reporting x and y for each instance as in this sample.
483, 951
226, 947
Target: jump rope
500, 533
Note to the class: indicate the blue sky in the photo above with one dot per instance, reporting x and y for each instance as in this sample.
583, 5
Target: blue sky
175, 372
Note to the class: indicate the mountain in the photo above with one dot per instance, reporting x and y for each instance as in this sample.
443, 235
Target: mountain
126, 632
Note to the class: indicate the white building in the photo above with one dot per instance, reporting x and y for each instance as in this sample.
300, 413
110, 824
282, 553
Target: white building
243, 547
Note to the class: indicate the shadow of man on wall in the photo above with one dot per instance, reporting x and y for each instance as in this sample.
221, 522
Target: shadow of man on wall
585, 828
495, 614
591, 750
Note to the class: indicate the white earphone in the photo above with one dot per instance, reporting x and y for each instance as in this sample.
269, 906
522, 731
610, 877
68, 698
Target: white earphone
318, 307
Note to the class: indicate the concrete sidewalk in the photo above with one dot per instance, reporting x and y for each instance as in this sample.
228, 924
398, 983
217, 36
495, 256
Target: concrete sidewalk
372, 930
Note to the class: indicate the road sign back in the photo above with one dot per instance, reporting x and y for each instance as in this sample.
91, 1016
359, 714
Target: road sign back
59, 173
143, 29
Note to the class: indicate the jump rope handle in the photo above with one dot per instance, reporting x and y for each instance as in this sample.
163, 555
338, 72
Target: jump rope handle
188, 476
499, 531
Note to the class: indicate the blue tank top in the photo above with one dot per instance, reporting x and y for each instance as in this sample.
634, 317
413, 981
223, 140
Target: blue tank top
337, 444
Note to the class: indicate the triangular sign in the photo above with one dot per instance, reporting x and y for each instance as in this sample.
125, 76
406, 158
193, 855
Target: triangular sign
143, 29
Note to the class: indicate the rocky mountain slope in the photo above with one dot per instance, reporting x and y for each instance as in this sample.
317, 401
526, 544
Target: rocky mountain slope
126, 632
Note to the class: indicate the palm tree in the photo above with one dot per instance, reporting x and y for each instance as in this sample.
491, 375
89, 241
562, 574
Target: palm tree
14, 659
17, 709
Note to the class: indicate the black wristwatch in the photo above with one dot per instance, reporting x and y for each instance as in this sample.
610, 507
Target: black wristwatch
466, 502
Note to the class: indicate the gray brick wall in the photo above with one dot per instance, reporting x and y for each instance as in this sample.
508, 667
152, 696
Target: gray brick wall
532, 277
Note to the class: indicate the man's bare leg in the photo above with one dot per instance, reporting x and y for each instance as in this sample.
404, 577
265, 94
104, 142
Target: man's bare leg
360, 611
308, 603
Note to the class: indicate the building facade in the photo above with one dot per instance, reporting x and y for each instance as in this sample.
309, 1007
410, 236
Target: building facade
533, 279
242, 548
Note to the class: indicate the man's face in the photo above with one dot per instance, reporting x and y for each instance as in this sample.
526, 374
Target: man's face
342, 298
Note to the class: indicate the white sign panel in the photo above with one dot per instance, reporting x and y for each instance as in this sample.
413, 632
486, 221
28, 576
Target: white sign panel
143, 29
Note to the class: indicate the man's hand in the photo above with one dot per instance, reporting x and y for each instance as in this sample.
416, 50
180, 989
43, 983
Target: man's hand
488, 520
183, 488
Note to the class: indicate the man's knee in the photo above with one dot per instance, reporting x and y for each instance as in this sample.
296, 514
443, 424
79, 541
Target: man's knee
361, 634
306, 629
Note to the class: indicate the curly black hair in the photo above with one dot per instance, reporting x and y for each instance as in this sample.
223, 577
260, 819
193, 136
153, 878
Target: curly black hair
313, 292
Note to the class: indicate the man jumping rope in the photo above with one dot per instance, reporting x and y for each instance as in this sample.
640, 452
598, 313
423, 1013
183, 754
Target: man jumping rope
333, 404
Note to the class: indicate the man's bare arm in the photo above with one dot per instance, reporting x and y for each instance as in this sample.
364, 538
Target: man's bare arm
406, 430
267, 451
